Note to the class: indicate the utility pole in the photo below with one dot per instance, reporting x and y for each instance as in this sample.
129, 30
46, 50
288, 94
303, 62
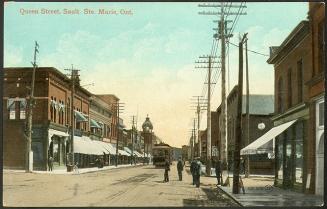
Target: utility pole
223, 33
247, 137
209, 121
208, 157
238, 139
199, 109
194, 137
29, 153
73, 77
132, 136
118, 111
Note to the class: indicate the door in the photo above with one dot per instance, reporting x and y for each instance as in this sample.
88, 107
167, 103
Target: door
320, 166
320, 147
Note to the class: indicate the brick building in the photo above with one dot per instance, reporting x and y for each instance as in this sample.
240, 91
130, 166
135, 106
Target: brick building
51, 118
316, 90
261, 108
214, 134
112, 100
203, 142
299, 102
185, 155
100, 119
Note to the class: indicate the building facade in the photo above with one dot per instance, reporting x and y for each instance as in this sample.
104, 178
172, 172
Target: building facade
113, 101
292, 62
51, 119
100, 119
261, 107
315, 160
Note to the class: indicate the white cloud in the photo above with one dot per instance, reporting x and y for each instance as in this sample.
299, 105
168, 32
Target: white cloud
12, 56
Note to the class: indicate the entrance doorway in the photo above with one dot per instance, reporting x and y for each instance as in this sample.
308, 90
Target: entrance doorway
57, 150
320, 167
320, 147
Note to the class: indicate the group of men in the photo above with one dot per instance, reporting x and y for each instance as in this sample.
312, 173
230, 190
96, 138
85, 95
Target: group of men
195, 169
180, 167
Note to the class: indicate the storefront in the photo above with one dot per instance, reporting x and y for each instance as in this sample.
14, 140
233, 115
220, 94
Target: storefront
289, 157
320, 146
58, 144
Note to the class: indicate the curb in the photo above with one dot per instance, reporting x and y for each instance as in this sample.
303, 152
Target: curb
231, 196
91, 171
108, 169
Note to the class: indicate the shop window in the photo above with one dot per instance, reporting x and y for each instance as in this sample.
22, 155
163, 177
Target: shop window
16, 109
68, 112
289, 87
300, 80
299, 152
321, 46
51, 109
280, 158
55, 111
280, 100
321, 113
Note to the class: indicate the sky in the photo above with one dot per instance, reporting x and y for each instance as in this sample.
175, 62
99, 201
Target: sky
145, 53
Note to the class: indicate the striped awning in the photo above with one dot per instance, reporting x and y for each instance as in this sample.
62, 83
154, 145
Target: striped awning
80, 117
123, 152
94, 124
84, 145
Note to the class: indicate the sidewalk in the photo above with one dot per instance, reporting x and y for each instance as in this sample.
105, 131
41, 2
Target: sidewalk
80, 170
259, 191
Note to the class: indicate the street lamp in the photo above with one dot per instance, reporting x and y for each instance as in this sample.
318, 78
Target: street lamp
147, 129
261, 126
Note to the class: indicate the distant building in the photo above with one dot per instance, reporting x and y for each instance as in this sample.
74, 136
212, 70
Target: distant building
100, 119
112, 100
203, 141
261, 108
177, 153
185, 155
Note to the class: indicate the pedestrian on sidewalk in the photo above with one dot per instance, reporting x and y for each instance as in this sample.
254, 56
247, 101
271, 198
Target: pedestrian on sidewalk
50, 163
167, 168
218, 172
197, 172
180, 166
192, 169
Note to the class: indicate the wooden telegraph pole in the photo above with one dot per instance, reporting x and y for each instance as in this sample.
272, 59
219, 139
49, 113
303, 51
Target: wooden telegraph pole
238, 139
28, 153
247, 137
118, 106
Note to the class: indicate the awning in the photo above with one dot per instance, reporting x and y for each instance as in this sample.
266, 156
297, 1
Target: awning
80, 117
58, 133
136, 153
94, 124
262, 145
85, 145
128, 150
123, 152
102, 146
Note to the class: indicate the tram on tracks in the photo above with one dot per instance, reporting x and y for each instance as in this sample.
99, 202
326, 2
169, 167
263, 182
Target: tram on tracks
161, 153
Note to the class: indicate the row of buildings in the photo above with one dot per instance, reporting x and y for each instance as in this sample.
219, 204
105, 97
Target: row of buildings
291, 142
97, 126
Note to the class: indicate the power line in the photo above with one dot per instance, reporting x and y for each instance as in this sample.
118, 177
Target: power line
249, 50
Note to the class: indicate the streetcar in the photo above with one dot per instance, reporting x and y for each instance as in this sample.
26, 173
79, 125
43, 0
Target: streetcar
161, 153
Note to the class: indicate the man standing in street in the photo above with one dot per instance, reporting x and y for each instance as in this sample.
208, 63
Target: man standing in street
197, 172
192, 169
167, 168
180, 166
218, 172
50, 163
